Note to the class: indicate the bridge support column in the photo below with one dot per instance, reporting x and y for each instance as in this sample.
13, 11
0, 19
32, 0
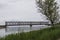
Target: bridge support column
30, 27
5, 28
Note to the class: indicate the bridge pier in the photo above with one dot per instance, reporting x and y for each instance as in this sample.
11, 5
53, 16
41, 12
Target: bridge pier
30, 27
6, 28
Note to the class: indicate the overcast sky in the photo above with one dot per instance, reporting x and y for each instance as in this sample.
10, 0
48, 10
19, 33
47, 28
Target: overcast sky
19, 10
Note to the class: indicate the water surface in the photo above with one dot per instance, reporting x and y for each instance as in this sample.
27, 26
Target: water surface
16, 29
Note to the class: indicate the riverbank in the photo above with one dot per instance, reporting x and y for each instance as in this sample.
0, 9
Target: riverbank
2, 26
52, 33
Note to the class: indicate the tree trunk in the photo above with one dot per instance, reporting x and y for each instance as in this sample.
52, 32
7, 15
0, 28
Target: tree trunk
52, 23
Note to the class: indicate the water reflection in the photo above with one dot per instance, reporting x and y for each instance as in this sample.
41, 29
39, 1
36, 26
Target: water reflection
24, 28
16, 29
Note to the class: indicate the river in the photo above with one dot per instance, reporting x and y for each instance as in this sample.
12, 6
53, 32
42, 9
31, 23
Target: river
16, 29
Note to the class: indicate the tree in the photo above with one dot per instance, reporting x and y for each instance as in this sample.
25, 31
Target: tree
49, 9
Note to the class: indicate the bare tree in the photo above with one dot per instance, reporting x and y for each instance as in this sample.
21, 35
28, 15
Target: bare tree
49, 9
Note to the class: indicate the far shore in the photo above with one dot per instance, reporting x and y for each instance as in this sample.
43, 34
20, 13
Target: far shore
2, 26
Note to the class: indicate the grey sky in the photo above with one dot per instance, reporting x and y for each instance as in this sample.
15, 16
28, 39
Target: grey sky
21, 10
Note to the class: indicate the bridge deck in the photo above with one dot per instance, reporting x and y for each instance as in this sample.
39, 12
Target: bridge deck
16, 23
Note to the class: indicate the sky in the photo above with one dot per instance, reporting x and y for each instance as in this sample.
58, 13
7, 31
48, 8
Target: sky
19, 10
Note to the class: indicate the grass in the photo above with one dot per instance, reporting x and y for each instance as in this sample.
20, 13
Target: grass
52, 33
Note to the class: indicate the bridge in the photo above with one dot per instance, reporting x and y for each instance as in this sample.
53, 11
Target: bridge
17, 23
30, 23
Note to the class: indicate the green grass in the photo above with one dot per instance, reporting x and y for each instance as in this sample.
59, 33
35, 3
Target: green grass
52, 33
